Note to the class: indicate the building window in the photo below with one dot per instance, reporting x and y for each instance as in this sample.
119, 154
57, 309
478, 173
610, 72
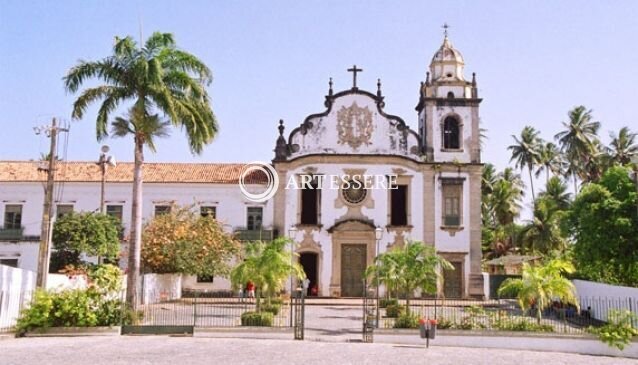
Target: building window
12, 262
451, 134
310, 204
12, 216
63, 209
115, 211
450, 95
399, 206
205, 278
452, 202
208, 211
254, 218
162, 209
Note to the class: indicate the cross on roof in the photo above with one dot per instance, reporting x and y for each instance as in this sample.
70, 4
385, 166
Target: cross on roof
354, 71
445, 28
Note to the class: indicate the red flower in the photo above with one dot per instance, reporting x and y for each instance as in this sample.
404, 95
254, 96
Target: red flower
422, 321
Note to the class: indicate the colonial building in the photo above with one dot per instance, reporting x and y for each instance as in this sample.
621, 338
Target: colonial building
434, 173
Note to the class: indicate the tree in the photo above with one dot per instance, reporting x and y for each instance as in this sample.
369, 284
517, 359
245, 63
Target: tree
414, 266
556, 194
525, 151
185, 242
604, 225
89, 233
549, 160
505, 201
540, 285
578, 141
542, 234
267, 265
622, 146
154, 77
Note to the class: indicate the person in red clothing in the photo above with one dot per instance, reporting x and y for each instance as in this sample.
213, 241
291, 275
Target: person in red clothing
250, 289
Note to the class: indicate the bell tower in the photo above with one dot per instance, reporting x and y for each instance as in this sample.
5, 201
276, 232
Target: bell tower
448, 108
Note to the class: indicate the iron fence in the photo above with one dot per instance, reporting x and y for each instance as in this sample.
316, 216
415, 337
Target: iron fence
506, 314
213, 309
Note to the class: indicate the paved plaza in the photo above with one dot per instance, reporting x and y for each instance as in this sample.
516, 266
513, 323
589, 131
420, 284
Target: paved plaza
158, 350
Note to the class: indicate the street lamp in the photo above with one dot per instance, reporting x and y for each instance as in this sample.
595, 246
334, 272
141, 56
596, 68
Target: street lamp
292, 233
634, 160
378, 234
104, 161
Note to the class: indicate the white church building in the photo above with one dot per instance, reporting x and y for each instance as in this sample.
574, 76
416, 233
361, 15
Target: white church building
434, 172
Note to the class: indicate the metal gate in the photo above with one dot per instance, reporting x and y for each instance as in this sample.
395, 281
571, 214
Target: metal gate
299, 311
370, 317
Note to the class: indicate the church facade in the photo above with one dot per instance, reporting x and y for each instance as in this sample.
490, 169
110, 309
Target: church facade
435, 170
426, 186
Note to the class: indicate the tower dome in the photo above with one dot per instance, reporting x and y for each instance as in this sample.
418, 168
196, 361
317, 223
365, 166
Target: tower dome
447, 63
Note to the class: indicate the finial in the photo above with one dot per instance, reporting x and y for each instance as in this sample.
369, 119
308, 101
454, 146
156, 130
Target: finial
330, 87
445, 28
421, 91
379, 87
281, 127
473, 78
427, 78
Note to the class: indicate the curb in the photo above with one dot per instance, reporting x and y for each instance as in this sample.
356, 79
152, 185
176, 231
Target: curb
74, 332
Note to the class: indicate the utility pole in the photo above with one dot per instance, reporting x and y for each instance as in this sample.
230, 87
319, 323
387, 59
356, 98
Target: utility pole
47, 211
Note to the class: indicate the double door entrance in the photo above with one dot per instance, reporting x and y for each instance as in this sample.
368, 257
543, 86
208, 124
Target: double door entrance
353, 265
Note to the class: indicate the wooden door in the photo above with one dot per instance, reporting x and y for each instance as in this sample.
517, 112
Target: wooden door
353, 264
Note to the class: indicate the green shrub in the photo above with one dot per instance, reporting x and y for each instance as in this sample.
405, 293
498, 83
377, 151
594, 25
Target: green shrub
38, 314
260, 319
406, 320
394, 310
524, 325
619, 330
272, 308
385, 302
278, 301
444, 323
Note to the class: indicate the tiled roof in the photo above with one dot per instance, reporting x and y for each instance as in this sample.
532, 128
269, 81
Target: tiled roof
76, 171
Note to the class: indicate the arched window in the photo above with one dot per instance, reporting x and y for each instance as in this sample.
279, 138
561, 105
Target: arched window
451, 134
450, 95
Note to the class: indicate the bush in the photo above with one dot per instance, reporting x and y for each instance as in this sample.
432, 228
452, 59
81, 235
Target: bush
272, 308
406, 320
524, 325
444, 323
277, 301
260, 319
619, 330
394, 310
385, 302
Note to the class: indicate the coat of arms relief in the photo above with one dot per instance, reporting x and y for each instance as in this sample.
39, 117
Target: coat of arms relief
354, 125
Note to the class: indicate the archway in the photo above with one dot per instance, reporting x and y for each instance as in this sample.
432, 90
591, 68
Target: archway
309, 261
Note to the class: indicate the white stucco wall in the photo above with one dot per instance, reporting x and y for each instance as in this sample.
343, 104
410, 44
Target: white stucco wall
604, 297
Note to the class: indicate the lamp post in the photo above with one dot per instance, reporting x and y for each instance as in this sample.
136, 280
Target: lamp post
634, 160
104, 161
378, 234
292, 233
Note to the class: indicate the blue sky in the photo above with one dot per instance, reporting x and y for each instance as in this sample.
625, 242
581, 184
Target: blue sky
272, 60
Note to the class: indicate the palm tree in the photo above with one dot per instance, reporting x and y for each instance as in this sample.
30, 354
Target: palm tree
267, 265
489, 178
154, 77
542, 234
623, 146
505, 201
540, 285
556, 193
578, 140
414, 266
525, 152
549, 160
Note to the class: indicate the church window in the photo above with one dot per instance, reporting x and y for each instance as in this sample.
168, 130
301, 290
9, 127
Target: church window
254, 218
310, 196
450, 95
354, 192
12, 216
452, 202
451, 134
399, 206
